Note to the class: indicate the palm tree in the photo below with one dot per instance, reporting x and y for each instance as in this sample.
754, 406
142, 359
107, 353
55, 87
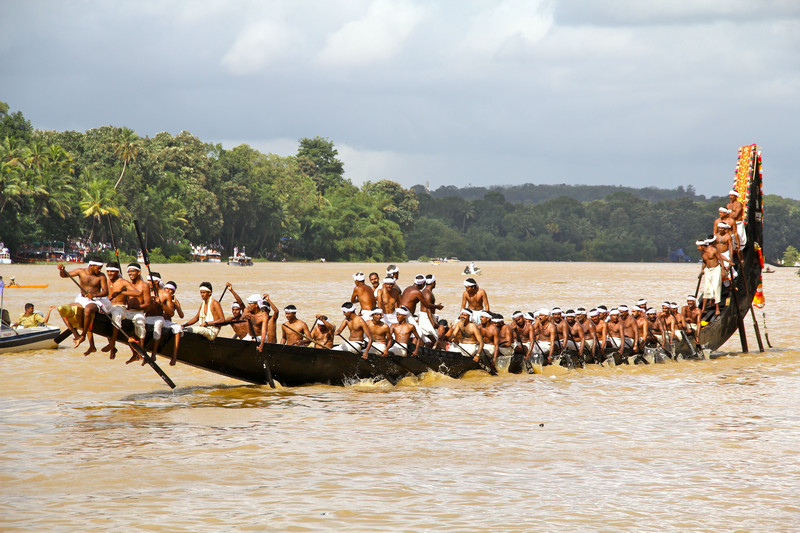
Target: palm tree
99, 199
127, 148
468, 211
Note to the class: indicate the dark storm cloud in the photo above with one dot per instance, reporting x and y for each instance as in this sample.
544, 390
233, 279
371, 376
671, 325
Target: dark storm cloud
620, 92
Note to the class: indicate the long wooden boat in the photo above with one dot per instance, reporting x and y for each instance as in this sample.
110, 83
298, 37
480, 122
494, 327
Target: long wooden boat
737, 303
34, 286
296, 365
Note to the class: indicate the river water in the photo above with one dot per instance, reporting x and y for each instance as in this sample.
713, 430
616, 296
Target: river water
92, 444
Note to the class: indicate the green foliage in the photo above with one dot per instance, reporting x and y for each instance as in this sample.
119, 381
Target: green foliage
317, 159
791, 256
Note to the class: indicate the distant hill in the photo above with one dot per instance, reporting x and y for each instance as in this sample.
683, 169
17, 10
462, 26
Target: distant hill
530, 193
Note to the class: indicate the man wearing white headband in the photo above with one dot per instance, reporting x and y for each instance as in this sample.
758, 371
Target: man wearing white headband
401, 334
393, 271
93, 296
322, 333
621, 341
154, 314
379, 332
415, 294
589, 333
726, 245
544, 338
713, 264
658, 332
363, 294
209, 316
629, 324
294, 331
466, 337
737, 214
691, 314
427, 316
360, 340
600, 333
137, 306
576, 339
490, 334
474, 297
389, 300
522, 330
238, 321
119, 289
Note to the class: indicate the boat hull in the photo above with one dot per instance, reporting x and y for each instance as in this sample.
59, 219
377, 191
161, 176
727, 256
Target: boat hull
40, 338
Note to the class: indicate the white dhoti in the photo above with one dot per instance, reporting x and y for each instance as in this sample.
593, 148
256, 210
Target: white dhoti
390, 318
139, 320
741, 234
413, 321
525, 345
117, 314
209, 332
176, 328
470, 349
727, 256
426, 327
615, 342
377, 348
103, 304
712, 283
158, 324
351, 346
588, 344
541, 347
400, 349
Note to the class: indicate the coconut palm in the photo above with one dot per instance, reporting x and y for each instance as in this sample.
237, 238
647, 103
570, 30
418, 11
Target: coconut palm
99, 199
127, 148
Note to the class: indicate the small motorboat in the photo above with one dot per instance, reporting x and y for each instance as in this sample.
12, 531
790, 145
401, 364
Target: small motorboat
22, 339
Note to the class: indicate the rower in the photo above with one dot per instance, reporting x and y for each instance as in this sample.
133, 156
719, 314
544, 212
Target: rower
561, 327
93, 296
379, 332
601, 333
270, 311
466, 336
322, 332
522, 332
237, 321
737, 214
360, 340
490, 334
545, 336
576, 339
669, 320
617, 332
136, 307
172, 306
208, 316
691, 313
589, 332
630, 325
401, 334
119, 289
295, 331
641, 324
656, 329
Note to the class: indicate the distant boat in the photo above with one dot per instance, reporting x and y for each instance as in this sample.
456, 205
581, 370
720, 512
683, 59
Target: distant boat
39, 286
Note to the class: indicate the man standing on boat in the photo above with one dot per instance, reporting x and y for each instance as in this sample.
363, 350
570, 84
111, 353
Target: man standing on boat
294, 331
360, 340
93, 297
363, 294
726, 244
737, 214
474, 298
119, 289
388, 300
208, 316
414, 294
713, 263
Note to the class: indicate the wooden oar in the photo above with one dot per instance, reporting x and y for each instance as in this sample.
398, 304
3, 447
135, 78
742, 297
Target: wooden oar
134, 345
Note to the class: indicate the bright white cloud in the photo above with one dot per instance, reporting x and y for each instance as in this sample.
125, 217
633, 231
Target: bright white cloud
260, 44
375, 37
507, 24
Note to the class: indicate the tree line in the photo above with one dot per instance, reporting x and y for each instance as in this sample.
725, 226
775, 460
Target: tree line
67, 185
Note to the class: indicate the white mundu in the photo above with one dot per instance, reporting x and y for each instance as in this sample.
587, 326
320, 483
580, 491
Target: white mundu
209, 332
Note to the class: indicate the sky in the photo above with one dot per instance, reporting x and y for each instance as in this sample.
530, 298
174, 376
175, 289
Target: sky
618, 92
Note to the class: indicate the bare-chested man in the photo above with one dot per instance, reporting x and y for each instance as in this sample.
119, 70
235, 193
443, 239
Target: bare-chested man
466, 336
171, 307
379, 332
545, 337
726, 247
601, 333
401, 334
618, 333
641, 323
360, 340
208, 316
237, 320
322, 332
657, 330
490, 334
737, 214
576, 339
413, 295
507, 336
691, 313
119, 289
93, 296
522, 332
270, 331
363, 294
294, 331
725, 217
713, 263
589, 334
474, 298
427, 316
631, 327
137, 307
561, 327
389, 300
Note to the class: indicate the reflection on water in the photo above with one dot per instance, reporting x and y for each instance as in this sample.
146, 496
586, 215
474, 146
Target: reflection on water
88, 443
